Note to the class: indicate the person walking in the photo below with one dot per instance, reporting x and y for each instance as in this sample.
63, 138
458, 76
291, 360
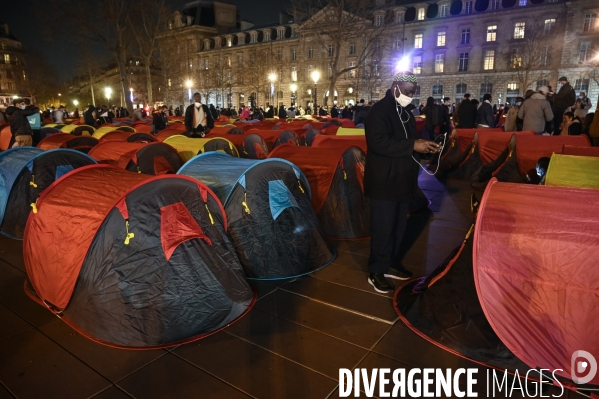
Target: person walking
391, 178
17, 114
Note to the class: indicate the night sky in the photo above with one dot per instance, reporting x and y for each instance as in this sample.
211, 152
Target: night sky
23, 24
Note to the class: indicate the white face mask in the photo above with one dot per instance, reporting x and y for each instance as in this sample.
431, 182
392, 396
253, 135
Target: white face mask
402, 99
198, 104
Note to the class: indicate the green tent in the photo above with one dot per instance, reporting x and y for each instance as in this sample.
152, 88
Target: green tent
573, 171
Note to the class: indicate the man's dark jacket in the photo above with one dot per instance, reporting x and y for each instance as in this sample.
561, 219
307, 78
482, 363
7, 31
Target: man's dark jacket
159, 121
565, 97
17, 118
391, 173
189, 117
467, 115
484, 115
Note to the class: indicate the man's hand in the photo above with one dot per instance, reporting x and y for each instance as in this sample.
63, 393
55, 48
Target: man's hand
426, 147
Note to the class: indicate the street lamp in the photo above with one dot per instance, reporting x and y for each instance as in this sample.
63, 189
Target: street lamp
293, 88
76, 102
108, 92
272, 77
189, 84
131, 94
315, 76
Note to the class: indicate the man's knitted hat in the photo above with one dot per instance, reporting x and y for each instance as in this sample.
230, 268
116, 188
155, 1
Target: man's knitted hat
405, 77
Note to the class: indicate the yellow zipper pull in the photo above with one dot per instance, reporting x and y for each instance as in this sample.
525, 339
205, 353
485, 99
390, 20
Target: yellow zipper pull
344, 175
209, 214
245, 204
299, 183
33, 207
129, 235
32, 182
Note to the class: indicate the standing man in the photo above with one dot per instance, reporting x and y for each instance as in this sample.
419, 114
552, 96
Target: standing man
198, 119
19, 124
466, 112
563, 99
391, 178
160, 119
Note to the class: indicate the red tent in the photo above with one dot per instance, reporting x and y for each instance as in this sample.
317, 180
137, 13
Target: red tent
532, 148
336, 177
5, 136
63, 140
274, 138
250, 145
134, 261
492, 144
323, 141
535, 270
172, 130
229, 129
584, 151
128, 136
148, 158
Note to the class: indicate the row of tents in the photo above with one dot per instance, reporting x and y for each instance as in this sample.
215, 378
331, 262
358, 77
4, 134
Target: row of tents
522, 290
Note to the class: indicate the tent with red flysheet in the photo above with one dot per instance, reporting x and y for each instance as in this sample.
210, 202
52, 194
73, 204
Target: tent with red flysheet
520, 166
131, 137
148, 158
63, 140
5, 136
326, 141
271, 220
458, 145
274, 138
519, 293
336, 177
141, 263
249, 145
584, 151
25, 172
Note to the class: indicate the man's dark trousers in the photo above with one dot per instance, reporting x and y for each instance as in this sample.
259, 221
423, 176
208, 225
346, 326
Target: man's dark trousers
388, 221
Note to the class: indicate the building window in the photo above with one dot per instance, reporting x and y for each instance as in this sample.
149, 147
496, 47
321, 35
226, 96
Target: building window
465, 36
549, 24
240, 60
461, 88
495, 5
439, 62
399, 17
512, 87
267, 36
279, 54
485, 88
421, 14
280, 34
294, 74
24, 76
444, 10
310, 52
228, 61
330, 50
516, 59
541, 83
254, 37
582, 85
437, 90
352, 48
253, 58
468, 7
463, 62
489, 62
417, 65
519, 30
583, 54
352, 72
378, 21
589, 22
440, 39
293, 54
206, 63
375, 68
7, 58
397, 43
418, 40
169, 83
544, 56
522, 3
491, 33
229, 42
329, 71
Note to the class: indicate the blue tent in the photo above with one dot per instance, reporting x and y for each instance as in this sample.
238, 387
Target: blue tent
25, 172
271, 219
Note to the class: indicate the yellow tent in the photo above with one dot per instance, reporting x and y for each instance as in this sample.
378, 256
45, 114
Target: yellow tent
573, 171
106, 129
349, 131
79, 130
190, 147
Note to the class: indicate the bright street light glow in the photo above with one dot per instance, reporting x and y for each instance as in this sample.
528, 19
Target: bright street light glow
272, 77
293, 87
403, 64
76, 102
189, 84
108, 92
315, 76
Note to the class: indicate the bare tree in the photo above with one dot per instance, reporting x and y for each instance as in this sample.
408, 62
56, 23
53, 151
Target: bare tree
530, 57
256, 75
88, 23
148, 21
336, 27
41, 79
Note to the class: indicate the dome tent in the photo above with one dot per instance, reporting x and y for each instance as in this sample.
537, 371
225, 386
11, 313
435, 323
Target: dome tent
336, 177
251, 146
190, 147
79, 143
148, 158
271, 221
274, 138
78, 130
131, 137
573, 171
148, 265
32, 173
500, 300
101, 131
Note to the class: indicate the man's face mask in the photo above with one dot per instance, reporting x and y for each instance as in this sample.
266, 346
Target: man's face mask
401, 98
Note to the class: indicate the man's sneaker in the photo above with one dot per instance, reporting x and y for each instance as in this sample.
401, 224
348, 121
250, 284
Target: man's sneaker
380, 283
399, 273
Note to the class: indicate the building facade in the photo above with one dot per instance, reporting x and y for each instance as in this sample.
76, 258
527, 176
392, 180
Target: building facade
501, 47
13, 77
105, 83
